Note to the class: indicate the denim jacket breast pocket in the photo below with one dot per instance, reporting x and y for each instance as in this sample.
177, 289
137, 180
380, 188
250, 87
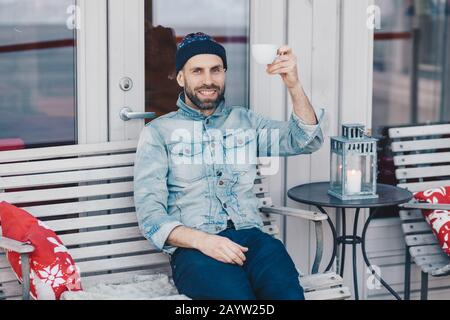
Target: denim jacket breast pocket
186, 161
240, 150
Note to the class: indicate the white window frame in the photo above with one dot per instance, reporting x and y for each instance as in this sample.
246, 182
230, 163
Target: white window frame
92, 72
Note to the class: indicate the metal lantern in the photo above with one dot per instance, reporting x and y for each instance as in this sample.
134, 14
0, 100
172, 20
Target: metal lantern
353, 164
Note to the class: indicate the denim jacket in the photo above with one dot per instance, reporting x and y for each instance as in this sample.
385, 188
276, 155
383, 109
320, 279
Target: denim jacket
197, 171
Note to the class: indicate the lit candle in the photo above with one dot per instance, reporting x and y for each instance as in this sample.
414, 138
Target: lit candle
354, 181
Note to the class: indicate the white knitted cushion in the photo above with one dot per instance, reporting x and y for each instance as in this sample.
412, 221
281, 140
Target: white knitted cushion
139, 287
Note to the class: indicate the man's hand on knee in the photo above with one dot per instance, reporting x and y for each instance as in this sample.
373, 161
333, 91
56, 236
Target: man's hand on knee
216, 247
222, 249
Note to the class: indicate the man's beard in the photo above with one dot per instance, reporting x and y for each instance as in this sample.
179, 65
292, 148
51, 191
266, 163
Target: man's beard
208, 104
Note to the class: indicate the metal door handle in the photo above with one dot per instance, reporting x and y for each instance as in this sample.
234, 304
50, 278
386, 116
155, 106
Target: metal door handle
127, 114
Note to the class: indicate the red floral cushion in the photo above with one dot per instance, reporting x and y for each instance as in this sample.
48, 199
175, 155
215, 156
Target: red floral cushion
439, 220
53, 270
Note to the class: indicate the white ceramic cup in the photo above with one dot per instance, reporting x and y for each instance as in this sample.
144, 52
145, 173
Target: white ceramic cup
264, 53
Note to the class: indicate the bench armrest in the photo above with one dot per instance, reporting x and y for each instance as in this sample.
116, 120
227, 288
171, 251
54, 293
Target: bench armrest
296, 213
426, 206
15, 246
24, 249
315, 217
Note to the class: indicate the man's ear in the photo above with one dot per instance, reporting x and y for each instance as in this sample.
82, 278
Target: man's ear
180, 79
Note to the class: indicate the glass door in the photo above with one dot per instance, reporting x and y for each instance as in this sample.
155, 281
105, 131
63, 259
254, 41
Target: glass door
37, 74
143, 37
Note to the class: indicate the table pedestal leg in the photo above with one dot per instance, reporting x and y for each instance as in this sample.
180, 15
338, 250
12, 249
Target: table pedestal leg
335, 243
343, 232
354, 240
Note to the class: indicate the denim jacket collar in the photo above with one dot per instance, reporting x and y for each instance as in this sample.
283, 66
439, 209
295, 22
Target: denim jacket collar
196, 114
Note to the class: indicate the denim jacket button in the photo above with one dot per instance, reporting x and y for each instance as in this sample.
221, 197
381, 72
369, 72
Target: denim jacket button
221, 183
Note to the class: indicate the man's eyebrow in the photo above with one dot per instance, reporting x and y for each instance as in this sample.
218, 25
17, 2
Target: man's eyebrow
217, 66
214, 67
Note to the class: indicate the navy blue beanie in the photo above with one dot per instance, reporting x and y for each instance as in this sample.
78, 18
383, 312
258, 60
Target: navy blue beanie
198, 43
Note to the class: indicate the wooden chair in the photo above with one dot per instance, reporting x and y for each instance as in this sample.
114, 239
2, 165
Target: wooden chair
85, 194
421, 159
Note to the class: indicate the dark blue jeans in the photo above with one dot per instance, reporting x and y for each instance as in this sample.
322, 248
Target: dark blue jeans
268, 272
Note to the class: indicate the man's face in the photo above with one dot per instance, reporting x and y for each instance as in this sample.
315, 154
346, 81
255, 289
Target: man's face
203, 80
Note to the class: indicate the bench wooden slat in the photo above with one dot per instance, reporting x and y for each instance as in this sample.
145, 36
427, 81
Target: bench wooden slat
131, 247
441, 271
68, 151
416, 227
329, 294
67, 192
47, 166
422, 172
78, 176
272, 230
7, 275
261, 188
420, 145
420, 159
262, 202
145, 260
58, 209
420, 186
10, 289
100, 251
426, 206
419, 131
421, 239
70, 177
101, 236
432, 259
3, 261
418, 251
408, 215
106, 220
320, 281
429, 268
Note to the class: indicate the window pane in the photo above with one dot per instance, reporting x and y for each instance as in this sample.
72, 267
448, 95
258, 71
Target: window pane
37, 74
411, 64
167, 23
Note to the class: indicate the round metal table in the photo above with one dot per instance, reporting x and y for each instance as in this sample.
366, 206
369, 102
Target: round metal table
316, 194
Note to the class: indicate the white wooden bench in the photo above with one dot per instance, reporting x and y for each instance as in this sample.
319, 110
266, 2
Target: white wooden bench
421, 159
85, 194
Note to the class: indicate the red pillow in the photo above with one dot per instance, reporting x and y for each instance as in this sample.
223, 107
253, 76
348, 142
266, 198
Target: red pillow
439, 220
53, 270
